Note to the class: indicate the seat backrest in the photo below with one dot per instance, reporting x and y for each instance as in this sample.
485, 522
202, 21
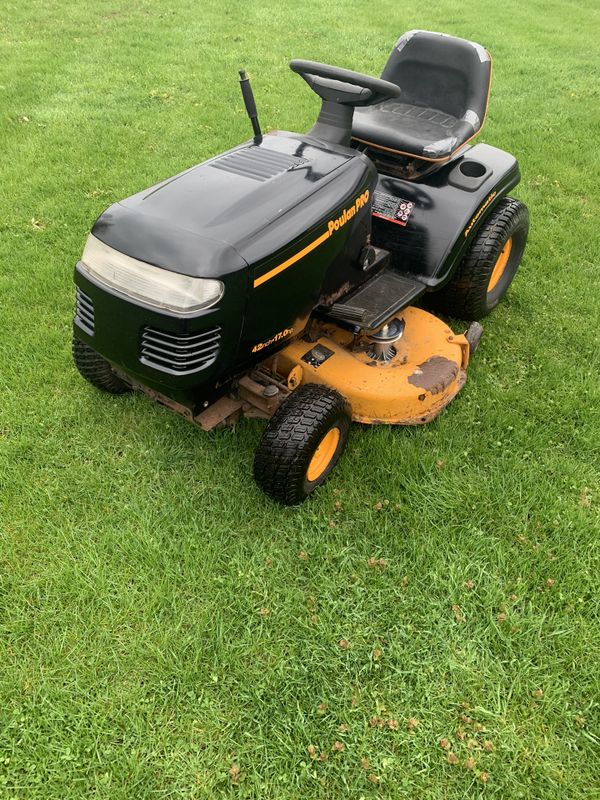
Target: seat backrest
435, 70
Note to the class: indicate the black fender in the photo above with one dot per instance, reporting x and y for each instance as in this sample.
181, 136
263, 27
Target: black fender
445, 211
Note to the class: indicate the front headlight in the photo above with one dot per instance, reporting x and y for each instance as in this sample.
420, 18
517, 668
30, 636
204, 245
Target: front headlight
153, 285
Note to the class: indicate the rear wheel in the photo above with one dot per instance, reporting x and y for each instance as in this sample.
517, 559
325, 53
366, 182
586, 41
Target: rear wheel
96, 370
302, 443
485, 273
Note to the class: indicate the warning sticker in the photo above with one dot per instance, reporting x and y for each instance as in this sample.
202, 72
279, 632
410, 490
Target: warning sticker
317, 355
394, 209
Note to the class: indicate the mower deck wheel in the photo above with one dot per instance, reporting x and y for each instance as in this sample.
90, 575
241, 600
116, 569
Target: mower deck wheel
96, 370
302, 443
485, 273
473, 336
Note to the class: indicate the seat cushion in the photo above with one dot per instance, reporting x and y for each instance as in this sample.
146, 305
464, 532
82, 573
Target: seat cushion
445, 85
419, 131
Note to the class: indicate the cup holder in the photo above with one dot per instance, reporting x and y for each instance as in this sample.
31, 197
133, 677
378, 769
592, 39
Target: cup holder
469, 175
472, 169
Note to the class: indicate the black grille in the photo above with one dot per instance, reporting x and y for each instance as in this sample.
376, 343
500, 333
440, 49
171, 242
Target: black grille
179, 354
257, 162
84, 312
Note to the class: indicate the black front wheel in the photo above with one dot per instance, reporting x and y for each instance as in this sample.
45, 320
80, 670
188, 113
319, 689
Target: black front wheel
96, 370
482, 278
302, 443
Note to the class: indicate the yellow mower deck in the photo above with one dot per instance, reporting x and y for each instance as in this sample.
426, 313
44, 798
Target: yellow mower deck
426, 373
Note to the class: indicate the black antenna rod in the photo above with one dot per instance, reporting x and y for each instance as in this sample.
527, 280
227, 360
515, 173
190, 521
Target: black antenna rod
250, 105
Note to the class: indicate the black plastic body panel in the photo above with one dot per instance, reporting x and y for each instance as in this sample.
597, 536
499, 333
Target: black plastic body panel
444, 217
210, 220
119, 324
239, 222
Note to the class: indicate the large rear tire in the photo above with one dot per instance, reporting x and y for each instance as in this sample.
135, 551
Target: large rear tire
485, 273
96, 370
302, 443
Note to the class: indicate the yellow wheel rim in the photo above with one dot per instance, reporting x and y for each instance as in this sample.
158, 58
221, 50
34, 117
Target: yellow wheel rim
500, 265
323, 454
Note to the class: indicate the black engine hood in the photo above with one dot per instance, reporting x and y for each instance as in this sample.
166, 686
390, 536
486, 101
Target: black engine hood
230, 211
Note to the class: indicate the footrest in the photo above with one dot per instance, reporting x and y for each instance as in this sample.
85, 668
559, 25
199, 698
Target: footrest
373, 303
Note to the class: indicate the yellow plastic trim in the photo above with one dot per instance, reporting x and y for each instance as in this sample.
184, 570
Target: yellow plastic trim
500, 265
305, 251
323, 455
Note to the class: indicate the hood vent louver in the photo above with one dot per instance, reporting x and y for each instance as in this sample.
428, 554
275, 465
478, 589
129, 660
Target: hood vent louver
84, 312
179, 353
258, 163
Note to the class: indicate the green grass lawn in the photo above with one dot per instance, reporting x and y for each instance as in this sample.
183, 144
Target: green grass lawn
166, 631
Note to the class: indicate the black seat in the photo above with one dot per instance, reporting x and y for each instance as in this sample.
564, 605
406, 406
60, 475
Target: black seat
445, 85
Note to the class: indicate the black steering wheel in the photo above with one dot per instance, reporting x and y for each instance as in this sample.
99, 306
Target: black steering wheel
343, 85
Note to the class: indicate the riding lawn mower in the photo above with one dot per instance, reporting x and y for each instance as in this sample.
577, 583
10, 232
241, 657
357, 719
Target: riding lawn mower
288, 278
